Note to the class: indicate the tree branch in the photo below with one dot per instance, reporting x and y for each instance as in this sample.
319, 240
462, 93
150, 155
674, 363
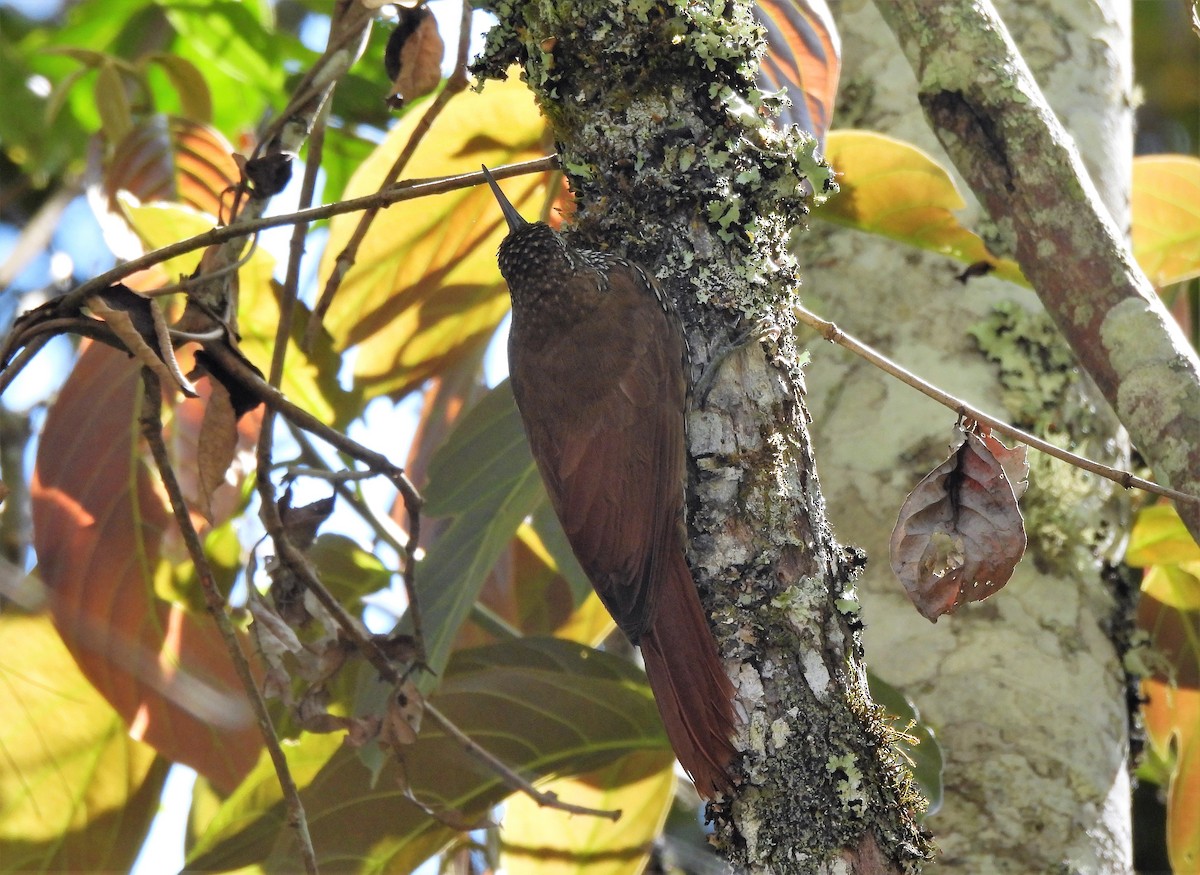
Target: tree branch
992, 119
835, 335
151, 425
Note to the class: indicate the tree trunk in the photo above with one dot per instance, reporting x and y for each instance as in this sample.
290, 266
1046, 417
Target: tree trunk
648, 106
1026, 691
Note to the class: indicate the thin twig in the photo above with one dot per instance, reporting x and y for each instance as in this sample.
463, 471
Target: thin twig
189, 282
835, 335
240, 370
291, 282
292, 472
511, 778
151, 423
13, 369
402, 191
345, 260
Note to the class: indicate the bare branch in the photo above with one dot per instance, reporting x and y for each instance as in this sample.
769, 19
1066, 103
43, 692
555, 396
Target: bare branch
833, 334
402, 191
151, 424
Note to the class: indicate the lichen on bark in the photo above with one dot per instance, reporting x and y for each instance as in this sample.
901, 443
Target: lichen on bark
676, 161
659, 126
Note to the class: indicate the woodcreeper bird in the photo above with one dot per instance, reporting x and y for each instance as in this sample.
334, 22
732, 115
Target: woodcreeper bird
596, 361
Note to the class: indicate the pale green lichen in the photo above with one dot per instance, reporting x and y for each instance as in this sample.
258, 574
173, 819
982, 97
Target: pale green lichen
718, 155
1071, 516
848, 779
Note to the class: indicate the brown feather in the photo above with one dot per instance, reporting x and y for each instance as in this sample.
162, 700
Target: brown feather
596, 360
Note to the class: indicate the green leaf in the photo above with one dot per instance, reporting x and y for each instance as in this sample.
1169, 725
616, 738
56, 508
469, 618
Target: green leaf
78, 793
229, 37
1166, 217
543, 706
113, 104
189, 84
348, 571
554, 539
926, 753
892, 188
485, 478
425, 289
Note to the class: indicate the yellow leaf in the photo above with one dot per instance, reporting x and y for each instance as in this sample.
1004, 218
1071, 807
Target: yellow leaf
589, 623
1159, 537
1166, 217
542, 841
892, 188
1177, 586
77, 789
1162, 545
425, 287
258, 317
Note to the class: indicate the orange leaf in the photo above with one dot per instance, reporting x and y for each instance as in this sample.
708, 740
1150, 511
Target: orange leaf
1172, 714
166, 158
803, 52
98, 527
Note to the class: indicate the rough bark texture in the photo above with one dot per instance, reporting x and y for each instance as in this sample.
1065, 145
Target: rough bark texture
1026, 691
995, 125
659, 129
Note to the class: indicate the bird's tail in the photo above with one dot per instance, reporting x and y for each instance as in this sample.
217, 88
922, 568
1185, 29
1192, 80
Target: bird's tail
694, 695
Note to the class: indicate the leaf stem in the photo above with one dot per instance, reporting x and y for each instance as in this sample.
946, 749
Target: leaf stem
833, 334
345, 260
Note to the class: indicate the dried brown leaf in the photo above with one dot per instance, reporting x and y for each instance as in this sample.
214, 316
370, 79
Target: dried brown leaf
402, 721
960, 533
300, 524
1014, 462
218, 445
413, 58
139, 325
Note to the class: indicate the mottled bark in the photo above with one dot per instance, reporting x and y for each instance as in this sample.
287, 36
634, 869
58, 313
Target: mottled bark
997, 127
1026, 691
654, 109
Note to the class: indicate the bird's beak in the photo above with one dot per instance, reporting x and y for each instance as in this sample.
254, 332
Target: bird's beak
510, 212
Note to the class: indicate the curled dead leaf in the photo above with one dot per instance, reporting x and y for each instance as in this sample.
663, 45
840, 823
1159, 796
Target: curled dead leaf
413, 57
268, 175
242, 400
139, 325
402, 721
300, 524
217, 446
960, 533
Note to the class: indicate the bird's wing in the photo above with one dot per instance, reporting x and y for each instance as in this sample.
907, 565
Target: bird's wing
609, 442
